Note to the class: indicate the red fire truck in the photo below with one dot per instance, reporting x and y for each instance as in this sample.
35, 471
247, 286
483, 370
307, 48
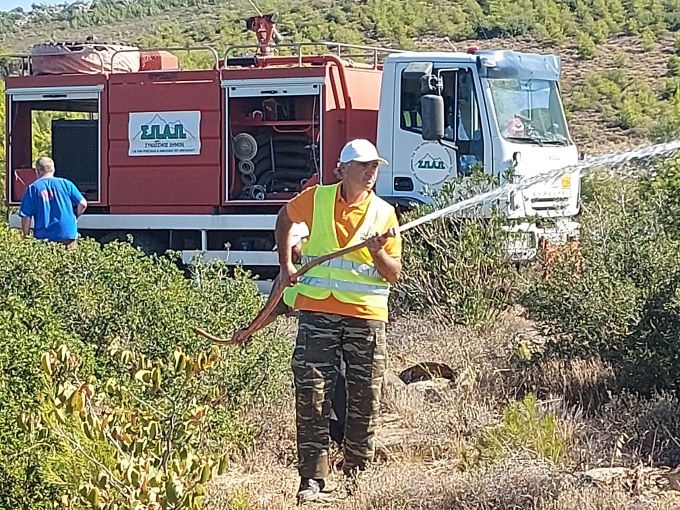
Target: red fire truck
200, 161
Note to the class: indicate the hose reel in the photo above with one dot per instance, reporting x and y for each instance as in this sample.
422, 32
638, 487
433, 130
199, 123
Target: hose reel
249, 179
273, 162
246, 167
245, 146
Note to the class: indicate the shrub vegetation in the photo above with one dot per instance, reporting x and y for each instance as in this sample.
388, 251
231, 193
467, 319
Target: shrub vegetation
130, 399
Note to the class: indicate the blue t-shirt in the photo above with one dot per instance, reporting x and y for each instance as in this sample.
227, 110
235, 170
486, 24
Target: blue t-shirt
51, 201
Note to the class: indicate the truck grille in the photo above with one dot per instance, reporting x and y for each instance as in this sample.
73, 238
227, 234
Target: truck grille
549, 203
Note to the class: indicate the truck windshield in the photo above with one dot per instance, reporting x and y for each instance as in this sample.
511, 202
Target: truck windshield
529, 111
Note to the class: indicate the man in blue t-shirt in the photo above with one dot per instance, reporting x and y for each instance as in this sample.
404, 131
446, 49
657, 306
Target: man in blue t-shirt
54, 204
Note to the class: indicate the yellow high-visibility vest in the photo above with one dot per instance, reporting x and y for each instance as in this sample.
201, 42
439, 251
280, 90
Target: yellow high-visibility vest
350, 279
289, 294
412, 119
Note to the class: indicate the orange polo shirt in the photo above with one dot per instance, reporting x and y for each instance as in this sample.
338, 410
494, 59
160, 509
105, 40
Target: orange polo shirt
348, 219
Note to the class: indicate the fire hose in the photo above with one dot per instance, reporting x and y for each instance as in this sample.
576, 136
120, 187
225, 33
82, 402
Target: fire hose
277, 290
279, 286
499, 193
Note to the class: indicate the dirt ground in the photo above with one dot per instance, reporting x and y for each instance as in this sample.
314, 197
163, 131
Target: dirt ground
432, 452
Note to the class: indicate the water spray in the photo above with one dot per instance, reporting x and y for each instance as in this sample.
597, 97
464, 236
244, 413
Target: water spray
641, 155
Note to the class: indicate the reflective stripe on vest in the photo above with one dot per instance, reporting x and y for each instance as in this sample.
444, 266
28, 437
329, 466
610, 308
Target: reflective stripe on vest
353, 278
349, 265
332, 284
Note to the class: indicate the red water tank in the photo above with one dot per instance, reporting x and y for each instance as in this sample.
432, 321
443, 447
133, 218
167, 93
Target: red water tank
157, 61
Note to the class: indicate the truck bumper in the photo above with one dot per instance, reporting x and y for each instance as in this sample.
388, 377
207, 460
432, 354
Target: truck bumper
525, 238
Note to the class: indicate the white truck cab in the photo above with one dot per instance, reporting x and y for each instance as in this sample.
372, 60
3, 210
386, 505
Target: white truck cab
500, 109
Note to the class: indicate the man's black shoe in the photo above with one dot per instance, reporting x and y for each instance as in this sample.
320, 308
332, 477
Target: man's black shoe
310, 489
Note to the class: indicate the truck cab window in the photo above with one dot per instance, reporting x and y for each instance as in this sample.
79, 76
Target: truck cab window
410, 113
468, 124
529, 111
462, 120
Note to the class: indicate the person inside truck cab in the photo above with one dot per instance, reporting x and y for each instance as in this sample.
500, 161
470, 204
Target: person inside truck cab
515, 127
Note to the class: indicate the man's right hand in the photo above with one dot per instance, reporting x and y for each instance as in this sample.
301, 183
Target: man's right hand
287, 274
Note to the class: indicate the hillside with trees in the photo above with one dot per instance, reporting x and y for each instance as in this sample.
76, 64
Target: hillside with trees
621, 58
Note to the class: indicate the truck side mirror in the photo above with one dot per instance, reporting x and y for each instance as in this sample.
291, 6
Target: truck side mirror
432, 108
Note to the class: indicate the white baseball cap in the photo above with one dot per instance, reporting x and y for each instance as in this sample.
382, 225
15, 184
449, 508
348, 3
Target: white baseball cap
360, 150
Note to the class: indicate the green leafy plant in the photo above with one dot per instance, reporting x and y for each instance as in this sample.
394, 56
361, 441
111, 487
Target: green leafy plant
104, 301
523, 426
457, 267
587, 48
127, 450
623, 304
673, 65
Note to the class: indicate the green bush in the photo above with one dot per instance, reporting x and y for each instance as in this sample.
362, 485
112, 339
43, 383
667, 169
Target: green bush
674, 65
649, 40
457, 267
668, 127
626, 102
587, 49
621, 59
669, 87
639, 107
136, 442
662, 191
99, 301
623, 302
524, 426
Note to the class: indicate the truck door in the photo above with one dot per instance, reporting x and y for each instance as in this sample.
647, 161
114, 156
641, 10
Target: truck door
463, 125
423, 164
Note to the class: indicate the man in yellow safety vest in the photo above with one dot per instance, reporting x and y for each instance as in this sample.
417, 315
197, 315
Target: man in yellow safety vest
342, 306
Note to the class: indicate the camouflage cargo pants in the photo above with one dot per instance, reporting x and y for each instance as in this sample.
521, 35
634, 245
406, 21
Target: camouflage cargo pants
322, 339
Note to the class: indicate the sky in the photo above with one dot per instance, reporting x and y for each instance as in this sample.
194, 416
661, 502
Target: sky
8, 5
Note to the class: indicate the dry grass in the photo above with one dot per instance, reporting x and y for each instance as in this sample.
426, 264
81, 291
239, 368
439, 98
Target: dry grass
578, 381
430, 432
